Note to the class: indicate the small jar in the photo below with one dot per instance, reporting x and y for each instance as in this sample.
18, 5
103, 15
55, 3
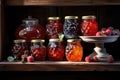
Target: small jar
74, 50
53, 28
19, 48
38, 49
30, 29
55, 50
71, 27
89, 26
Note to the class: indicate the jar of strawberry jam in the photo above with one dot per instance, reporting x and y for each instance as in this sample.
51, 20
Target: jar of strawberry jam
89, 26
53, 28
71, 27
30, 29
55, 50
38, 49
74, 50
19, 48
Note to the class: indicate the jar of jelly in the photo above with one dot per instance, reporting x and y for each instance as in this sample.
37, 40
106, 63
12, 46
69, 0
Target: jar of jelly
53, 28
30, 29
55, 50
19, 48
71, 27
89, 26
38, 49
74, 50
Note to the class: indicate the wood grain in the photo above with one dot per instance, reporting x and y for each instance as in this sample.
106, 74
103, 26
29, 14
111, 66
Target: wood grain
59, 66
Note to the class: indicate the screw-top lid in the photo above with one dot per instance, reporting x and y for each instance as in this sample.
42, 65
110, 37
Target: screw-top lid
30, 20
37, 40
53, 18
54, 40
19, 41
88, 17
71, 17
72, 40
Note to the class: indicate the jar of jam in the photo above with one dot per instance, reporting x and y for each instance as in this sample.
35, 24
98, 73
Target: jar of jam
53, 28
19, 48
74, 50
30, 29
71, 27
55, 50
38, 49
89, 26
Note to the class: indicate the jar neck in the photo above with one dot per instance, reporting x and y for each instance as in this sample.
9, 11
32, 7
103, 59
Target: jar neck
71, 20
53, 21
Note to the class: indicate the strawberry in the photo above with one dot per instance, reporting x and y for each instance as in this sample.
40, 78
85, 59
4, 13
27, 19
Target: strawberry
95, 58
30, 58
98, 33
109, 59
88, 59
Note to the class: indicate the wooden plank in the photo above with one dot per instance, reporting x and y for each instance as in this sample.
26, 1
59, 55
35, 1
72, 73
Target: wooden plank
48, 2
59, 66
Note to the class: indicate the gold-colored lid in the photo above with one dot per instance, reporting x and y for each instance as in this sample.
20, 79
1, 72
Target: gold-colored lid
19, 41
53, 18
71, 17
54, 40
72, 40
37, 40
88, 17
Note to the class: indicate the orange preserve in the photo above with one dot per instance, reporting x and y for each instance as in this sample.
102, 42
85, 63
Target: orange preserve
74, 50
89, 26
54, 27
38, 49
55, 50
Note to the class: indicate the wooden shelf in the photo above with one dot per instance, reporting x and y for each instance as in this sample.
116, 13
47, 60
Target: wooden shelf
59, 66
60, 2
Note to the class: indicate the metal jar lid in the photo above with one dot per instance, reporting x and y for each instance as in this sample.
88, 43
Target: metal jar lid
53, 18
54, 40
72, 40
19, 41
30, 20
88, 17
37, 40
71, 17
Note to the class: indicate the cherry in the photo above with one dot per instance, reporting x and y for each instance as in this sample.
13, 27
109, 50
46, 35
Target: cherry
30, 58
95, 58
88, 59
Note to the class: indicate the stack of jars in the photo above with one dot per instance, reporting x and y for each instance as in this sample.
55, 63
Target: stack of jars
30, 38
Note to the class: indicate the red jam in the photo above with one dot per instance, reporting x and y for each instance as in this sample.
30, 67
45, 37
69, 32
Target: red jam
19, 48
54, 27
55, 50
74, 50
30, 29
89, 26
38, 49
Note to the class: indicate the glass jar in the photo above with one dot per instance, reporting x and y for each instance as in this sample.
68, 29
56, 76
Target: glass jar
89, 26
30, 29
74, 50
19, 48
55, 50
54, 27
71, 27
38, 49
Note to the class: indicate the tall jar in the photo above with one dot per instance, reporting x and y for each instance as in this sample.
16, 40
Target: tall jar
53, 28
55, 50
71, 27
38, 49
89, 25
19, 48
30, 29
74, 50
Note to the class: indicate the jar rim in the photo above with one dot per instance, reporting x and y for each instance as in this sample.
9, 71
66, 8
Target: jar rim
72, 40
71, 17
88, 17
53, 18
19, 41
37, 40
